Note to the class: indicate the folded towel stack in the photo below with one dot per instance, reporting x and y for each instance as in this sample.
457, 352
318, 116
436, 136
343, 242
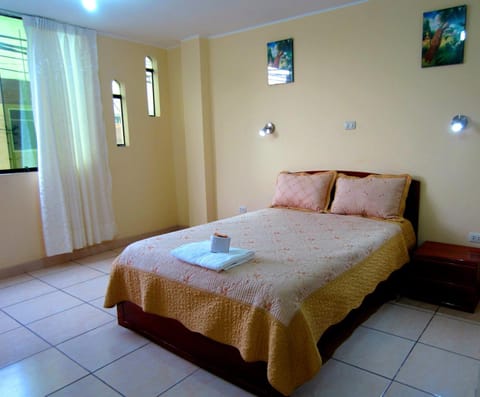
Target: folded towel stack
199, 253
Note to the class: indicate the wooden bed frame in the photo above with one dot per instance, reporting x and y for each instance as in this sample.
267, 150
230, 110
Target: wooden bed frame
224, 360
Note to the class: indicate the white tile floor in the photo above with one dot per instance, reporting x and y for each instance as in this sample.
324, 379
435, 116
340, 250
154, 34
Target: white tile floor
56, 339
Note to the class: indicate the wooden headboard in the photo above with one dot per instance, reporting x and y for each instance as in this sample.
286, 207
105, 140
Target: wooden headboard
413, 198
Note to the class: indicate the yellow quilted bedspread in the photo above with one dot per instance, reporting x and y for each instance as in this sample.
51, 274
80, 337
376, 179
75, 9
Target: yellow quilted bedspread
309, 272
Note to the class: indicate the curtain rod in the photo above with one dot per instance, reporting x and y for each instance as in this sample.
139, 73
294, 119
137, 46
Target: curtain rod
19, 15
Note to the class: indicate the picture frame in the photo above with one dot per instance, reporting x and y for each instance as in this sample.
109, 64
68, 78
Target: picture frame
443, 36
280, 62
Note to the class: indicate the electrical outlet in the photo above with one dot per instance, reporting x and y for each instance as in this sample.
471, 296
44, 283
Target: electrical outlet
242, 209
474, 237
350, 125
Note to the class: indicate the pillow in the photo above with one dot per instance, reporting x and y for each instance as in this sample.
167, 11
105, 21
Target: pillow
300, 190
380, 196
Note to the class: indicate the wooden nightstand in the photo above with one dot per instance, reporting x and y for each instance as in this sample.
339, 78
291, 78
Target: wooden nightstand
444, 274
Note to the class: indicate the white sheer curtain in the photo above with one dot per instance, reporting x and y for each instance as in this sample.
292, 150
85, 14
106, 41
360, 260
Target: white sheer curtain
74, 178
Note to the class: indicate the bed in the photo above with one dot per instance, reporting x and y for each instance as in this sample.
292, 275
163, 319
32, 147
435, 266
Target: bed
269, 324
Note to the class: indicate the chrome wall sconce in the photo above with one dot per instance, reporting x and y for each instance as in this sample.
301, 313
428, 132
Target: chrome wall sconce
458, 123
267, 130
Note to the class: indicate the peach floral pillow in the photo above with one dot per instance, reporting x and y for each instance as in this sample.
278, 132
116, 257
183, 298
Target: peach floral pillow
380, 196
300, 190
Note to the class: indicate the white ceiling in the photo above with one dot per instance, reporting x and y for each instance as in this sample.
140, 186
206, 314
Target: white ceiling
164, 23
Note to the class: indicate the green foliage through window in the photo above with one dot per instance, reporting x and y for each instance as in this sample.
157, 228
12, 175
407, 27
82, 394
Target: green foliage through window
18, 143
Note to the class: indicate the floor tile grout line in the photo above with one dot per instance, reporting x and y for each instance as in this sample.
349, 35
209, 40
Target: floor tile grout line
18, 283
71, 285
29, 273
89, 372
83, 301
107, 384
53, 272
51, 286
449, 351
179, 381
414, 387
67, 385
103, 309
2, 367
362, 369
437, 313
393, 379
9, 316
414, 344
73, 337
51, 345
55, 346
387, 389
147, 342
93, 373
89, 302
50, 315
32, 297
387, 333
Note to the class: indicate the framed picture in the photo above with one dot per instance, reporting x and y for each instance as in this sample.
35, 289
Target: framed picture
280, 62
444, 36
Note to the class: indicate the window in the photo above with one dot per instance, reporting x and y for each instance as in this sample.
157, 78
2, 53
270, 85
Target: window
150, 86
18, 143
118, 114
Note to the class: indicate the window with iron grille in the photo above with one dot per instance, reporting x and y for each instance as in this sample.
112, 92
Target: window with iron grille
18, 142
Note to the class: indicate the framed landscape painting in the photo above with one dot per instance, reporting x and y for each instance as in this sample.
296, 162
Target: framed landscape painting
444, 34
280, 62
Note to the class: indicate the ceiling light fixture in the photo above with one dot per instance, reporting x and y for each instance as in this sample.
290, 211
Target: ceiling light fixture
89, 5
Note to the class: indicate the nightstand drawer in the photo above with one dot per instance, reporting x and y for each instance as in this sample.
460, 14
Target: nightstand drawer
445, 274
448, 272
454, 295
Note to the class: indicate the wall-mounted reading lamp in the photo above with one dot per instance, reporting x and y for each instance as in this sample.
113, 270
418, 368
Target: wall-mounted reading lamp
267, 130
458, 123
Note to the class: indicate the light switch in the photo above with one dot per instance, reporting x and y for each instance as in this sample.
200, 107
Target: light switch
350, 125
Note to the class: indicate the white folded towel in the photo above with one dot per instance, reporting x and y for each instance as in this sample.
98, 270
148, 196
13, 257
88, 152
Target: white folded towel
199, 253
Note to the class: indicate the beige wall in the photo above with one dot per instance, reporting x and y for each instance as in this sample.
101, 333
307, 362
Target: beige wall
178, 135
142, 174
358, 63
197, 130
20, 232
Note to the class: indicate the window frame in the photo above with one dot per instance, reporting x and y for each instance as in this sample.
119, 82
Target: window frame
150, 87
117, 100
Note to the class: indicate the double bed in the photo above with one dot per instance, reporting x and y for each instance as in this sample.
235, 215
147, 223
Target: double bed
266, 325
